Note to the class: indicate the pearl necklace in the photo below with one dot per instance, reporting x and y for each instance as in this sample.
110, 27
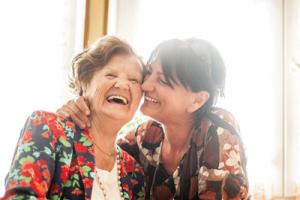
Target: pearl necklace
101, 185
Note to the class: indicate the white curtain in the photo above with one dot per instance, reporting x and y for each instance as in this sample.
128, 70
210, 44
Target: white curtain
250, 34
292, 96
37, 41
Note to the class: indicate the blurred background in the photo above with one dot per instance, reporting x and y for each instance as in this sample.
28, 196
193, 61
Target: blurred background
258, 39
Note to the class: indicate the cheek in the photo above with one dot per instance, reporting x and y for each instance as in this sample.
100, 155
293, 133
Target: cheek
95, 96
147, 83
137, 93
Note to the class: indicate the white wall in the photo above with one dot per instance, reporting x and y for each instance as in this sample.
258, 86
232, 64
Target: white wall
37, 41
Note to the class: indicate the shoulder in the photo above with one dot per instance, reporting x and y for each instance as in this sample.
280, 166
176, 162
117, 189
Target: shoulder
216, 121
39, 116
222, 123
46, 126
150, 134
227, 117
53, 120
130, 164
226, 131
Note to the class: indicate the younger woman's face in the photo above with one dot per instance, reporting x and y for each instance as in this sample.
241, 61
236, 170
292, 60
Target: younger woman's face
161, 101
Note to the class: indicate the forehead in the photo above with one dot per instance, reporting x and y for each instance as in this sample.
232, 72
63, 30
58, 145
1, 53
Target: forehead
125, 63
155, 65
166, 70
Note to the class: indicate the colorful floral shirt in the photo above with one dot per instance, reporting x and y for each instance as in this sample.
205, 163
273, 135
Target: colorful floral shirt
54, 159
214, 166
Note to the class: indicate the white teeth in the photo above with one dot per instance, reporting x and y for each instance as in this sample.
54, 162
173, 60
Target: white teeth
117, 97
151, 99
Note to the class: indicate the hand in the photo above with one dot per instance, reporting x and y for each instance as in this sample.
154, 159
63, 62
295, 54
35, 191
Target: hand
235, 187
78, 110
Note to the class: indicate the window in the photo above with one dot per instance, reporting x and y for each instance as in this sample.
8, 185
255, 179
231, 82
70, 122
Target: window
255, 38
38, 39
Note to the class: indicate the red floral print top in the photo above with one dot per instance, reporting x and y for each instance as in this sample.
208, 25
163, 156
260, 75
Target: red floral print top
54, 159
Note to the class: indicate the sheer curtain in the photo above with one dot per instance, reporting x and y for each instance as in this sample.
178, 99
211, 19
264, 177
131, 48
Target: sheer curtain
292, 96
37, 39
250, 36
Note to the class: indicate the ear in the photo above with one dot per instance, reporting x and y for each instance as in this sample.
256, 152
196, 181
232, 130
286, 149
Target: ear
198, 100
84, 88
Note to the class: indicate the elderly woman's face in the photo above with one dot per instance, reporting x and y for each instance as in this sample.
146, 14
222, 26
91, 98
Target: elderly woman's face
115, 90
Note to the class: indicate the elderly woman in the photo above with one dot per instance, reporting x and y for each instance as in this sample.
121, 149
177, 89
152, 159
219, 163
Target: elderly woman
192, 150
55, 159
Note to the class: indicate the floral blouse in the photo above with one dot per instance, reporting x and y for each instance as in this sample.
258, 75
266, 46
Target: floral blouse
54, 159
213, 167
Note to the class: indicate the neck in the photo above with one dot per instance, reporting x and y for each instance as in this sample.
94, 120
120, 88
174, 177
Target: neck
178, 135
175, 144
104, 132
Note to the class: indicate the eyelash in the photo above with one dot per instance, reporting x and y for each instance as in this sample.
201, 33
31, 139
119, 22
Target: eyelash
134, 81
110, 76
162, 81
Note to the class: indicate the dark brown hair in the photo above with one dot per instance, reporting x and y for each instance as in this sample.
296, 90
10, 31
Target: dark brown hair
86, 63
195, 64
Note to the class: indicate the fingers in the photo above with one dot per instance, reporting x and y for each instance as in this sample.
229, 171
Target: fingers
82, 110
63, 113
78, 114
66, 111
82, 104
130, 137
77, 110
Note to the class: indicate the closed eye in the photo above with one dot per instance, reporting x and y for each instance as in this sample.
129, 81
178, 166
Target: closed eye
110, 76
162, 81
134, 81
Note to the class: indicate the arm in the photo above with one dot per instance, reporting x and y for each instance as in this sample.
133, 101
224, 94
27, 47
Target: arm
225, 159
33, 164
235, 183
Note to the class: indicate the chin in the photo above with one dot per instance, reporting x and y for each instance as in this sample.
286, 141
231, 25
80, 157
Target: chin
145, 111
149, 113
124, 117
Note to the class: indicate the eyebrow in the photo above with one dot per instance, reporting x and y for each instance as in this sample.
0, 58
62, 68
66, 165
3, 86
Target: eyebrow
161, 74
158, 72
137, 75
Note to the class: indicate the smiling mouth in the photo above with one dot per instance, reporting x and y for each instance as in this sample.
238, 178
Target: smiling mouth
151, 99
117, 99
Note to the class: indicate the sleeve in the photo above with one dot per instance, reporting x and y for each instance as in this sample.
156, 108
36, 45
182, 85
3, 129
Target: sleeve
143, 143
129, 144
229, 164
233, 162
33, 163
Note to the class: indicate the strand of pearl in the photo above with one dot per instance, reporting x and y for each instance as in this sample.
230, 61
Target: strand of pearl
101, 185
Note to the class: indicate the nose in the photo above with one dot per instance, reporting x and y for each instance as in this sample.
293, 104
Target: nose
148, 84
122, 83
